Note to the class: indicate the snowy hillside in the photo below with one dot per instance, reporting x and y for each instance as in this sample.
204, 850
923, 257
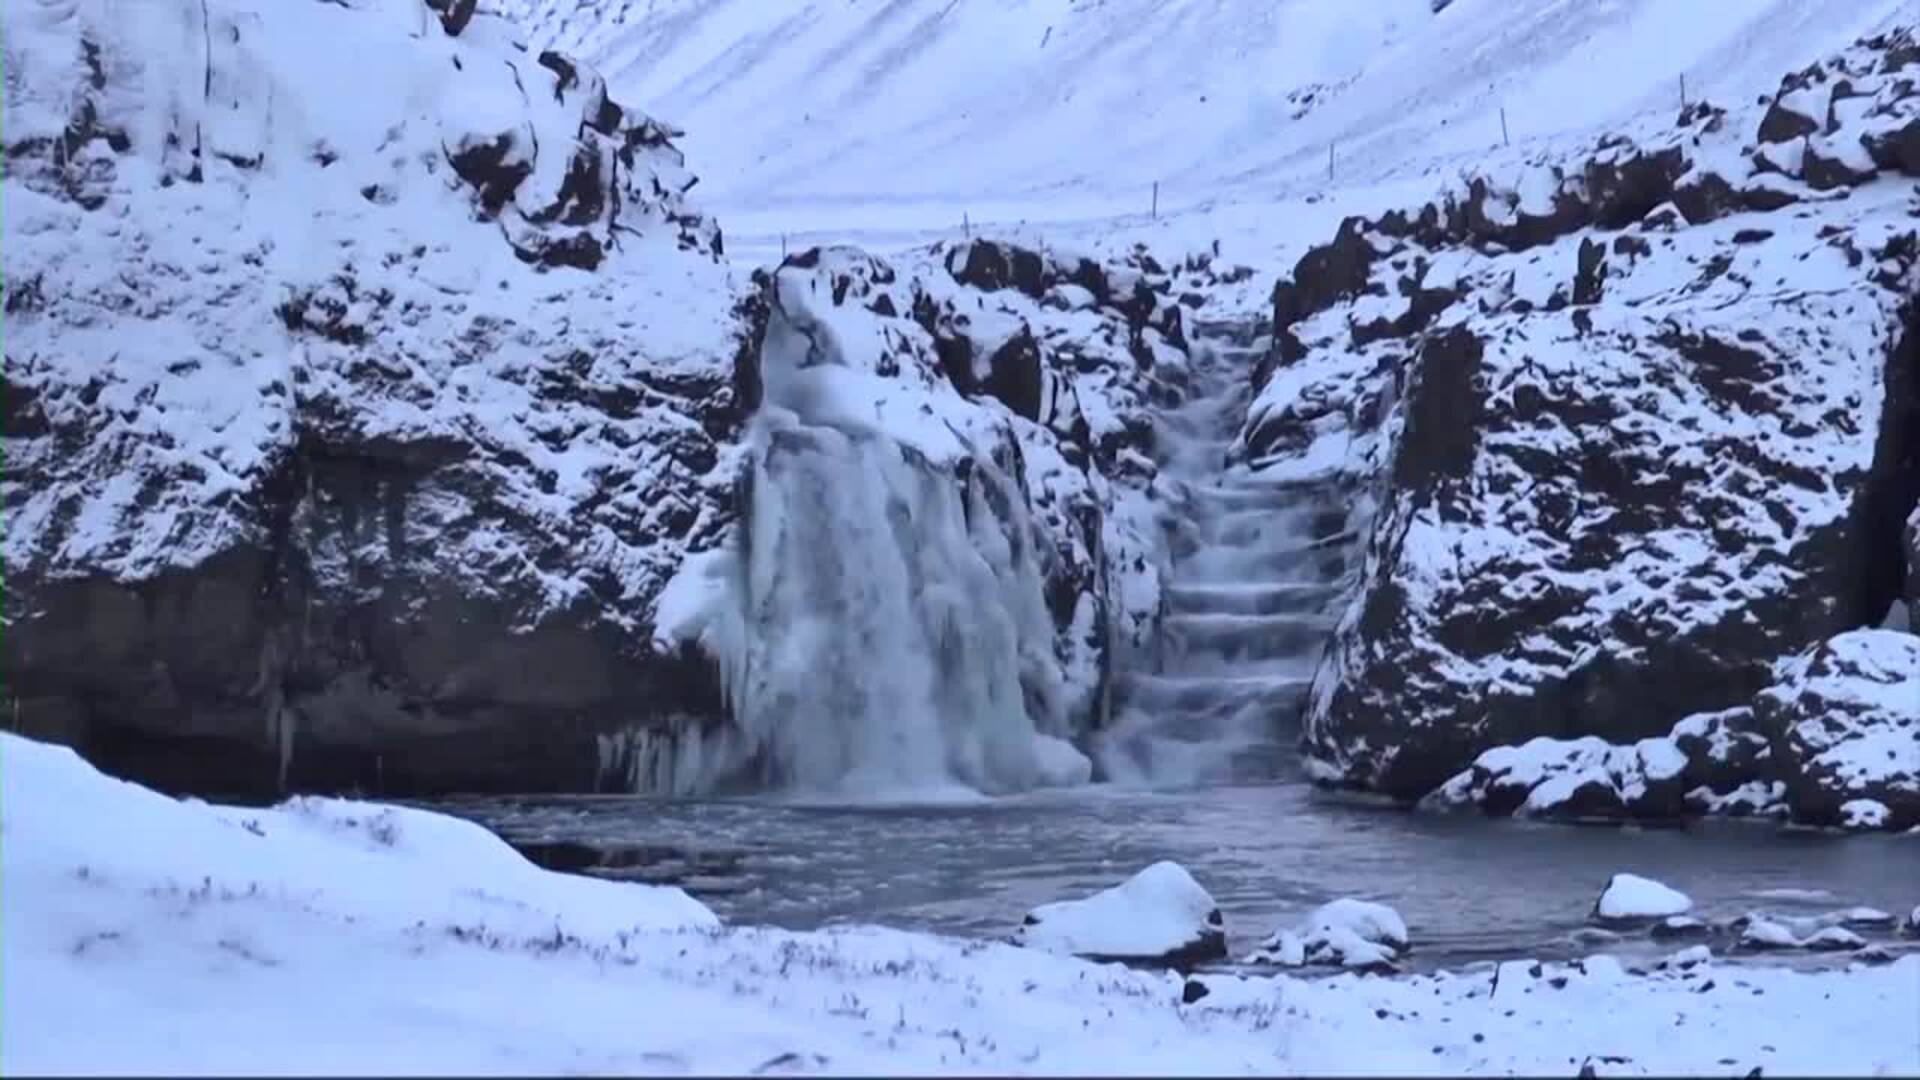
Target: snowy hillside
910, 111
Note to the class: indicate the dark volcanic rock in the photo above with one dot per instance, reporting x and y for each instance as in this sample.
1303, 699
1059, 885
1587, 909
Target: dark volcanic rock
1844, 725
392, 515
1600, 519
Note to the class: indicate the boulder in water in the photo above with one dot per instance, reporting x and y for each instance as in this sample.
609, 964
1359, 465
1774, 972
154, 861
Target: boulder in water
1679, 926
1864, 918
1833, 939
1160, 913
1350, 933
1760, 933
1690, 957
1631, 898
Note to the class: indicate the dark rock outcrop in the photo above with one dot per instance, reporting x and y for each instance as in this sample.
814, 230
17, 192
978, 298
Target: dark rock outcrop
1598, 518
1843, 723
370, 518
1833, 741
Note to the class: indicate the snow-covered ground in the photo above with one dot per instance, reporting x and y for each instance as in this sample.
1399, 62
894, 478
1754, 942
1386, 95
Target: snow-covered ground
887, 120
148, 935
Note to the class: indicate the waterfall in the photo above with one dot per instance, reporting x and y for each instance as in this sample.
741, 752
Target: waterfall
878, 616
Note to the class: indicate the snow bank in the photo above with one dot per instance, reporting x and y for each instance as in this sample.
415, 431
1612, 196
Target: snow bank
146, 935
1630, 896
71, 832
1160, 913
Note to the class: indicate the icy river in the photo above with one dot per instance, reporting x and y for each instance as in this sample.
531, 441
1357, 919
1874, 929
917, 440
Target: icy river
1470, 888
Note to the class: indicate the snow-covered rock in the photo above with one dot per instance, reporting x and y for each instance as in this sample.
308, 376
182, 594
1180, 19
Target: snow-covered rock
1762, 933
1679, 926
1630, 897
430, 481
1349, 933
1690, 957
1862, 917
1579, 778
1833, 939
361, 399
1625, 457
1158, 914
1844, 720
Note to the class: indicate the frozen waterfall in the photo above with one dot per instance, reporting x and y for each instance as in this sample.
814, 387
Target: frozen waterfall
878, 617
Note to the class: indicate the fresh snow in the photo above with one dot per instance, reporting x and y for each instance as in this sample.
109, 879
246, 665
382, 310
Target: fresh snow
148, 935
1630, 896
1159, 912
897, 114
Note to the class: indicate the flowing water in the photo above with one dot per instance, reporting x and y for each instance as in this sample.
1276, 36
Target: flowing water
1202, 752
1470, 888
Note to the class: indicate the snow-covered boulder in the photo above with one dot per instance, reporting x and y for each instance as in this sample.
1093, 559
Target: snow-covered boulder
1158, 914
1627, 460
1679, 926
1690, 957
1844, 720
1577, 778
1632, 898
1346, 932
1833, 932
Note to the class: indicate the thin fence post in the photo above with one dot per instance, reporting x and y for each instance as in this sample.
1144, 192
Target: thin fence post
1329, 161
783, 247
1683, 90
1504, 140
1154, 211
966, 226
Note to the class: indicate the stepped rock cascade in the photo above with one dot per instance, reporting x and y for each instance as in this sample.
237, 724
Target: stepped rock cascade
1260, 558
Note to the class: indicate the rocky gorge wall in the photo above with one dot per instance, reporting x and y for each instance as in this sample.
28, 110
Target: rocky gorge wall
1643, 428
356, 429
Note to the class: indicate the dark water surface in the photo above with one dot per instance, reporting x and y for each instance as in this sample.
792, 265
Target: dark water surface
1470, 888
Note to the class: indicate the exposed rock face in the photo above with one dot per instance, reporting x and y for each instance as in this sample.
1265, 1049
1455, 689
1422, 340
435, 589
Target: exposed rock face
1619, 473
1833, 741
1843, 721
367, 498
389, 494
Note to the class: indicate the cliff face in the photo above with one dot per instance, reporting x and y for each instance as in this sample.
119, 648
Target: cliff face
356, 421
361, 412
1640, 424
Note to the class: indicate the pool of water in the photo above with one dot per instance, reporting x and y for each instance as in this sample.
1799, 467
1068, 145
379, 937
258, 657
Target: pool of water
1470, 888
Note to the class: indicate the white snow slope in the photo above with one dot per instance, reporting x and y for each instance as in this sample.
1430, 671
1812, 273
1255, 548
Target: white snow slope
904, 113
145, 935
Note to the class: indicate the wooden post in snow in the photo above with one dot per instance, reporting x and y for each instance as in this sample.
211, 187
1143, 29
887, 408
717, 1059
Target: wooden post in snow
1504, 140
1329, 161
1683, 90
966, 227
1153, 212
